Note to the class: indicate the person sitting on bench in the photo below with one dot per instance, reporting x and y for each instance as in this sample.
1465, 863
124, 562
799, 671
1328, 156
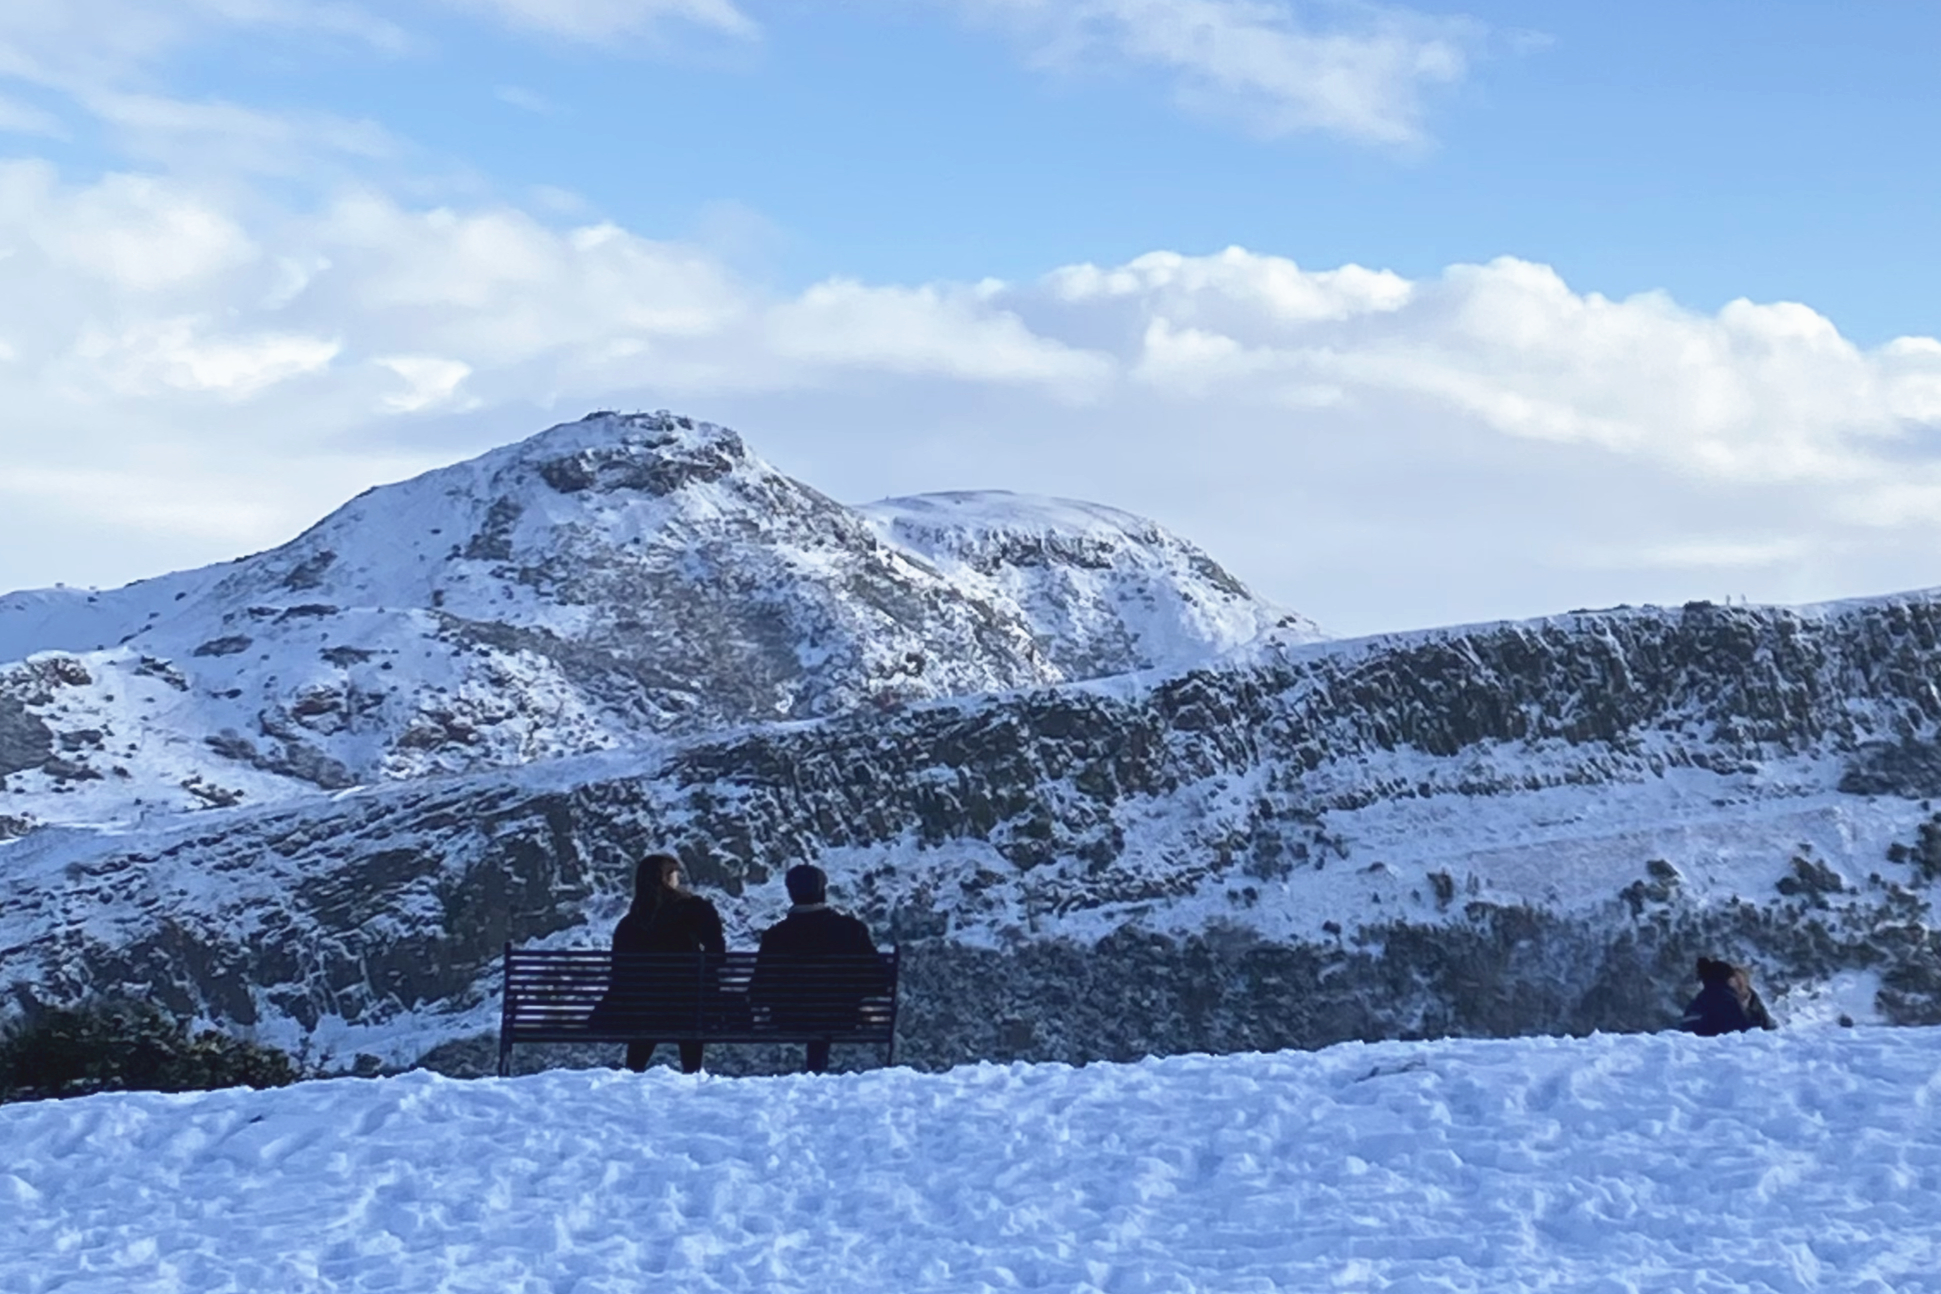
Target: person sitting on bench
812, 930
666, 917
1726, 1004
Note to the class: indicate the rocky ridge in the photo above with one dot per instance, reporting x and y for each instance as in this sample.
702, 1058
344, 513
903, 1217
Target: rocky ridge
1488, 830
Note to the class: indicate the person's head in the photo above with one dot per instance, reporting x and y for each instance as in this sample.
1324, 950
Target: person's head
806, 884
1712, 972
1740, 982
656, 874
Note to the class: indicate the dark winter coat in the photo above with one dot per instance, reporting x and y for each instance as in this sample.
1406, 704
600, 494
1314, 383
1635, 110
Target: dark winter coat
795, 942
679, 923
655, 1000
1716, 1010
1756, 1011
1727, 1003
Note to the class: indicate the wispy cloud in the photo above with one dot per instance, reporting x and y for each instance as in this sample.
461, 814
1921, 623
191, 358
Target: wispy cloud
525, 100
214, 136
106, 58
604, 19
1267, 65
19, 118
75, 45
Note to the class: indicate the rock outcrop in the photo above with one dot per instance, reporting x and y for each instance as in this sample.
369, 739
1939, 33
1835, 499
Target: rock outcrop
1497, 829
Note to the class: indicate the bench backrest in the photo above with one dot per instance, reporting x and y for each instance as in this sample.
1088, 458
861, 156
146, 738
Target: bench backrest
562, 994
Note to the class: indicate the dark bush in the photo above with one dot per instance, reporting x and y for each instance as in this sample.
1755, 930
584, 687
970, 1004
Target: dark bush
115, 1046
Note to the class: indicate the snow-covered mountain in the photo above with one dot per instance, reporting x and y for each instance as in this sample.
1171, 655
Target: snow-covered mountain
1109, 804
1493, 830
606, 583
1104, 591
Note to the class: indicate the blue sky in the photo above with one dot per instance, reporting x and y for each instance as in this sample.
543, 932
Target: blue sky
1768, 150
793, 193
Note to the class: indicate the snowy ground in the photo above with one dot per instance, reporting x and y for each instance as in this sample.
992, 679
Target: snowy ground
1795, 1161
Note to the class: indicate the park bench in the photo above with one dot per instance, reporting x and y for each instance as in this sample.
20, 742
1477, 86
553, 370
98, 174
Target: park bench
589, 995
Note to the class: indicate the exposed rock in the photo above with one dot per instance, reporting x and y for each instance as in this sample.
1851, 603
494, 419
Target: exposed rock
1907, 768
25, 742
1811, 879
292, 758
227, 645
152, 667
309, 572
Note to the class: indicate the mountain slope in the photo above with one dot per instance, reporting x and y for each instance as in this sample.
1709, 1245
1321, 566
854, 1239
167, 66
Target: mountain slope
1496, 829
629, 633
606, 583
1106, 592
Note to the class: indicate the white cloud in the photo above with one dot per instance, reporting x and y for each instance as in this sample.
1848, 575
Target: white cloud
229, 518
1269, 290
945, 332
189, 355
499, 289
1704, 554
91, 45
1754, 393
1374, 449
19, 118
602, 19
138, 233
430, 382
231, 140
105, 58
1256, 61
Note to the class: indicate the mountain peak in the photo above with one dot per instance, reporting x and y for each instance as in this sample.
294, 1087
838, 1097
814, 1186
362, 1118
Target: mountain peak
653, 453
606, 582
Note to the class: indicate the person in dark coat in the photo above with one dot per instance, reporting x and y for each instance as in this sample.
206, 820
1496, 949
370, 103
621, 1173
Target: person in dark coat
1749, 999
666, 917
812, 929
1726, 1002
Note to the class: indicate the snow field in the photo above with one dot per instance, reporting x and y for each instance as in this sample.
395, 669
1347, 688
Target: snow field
1796, 1161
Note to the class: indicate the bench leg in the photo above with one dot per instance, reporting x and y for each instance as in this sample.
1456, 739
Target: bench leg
505, 1054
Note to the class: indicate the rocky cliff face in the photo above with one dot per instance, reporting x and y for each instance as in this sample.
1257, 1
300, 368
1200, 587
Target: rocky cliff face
1497, 829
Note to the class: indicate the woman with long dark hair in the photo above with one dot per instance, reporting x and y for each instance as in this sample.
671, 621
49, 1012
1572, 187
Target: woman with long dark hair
666, 917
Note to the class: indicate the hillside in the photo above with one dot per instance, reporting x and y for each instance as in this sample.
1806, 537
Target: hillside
602, 585
1256, 839
1497, 830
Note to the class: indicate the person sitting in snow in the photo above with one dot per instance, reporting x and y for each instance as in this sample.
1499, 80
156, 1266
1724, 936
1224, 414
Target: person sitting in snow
812, 930
666, 917
1749, 999
1726, 1003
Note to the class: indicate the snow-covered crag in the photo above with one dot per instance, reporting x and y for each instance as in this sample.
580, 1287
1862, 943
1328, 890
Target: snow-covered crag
1258, 840
1104, 591
606, 583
